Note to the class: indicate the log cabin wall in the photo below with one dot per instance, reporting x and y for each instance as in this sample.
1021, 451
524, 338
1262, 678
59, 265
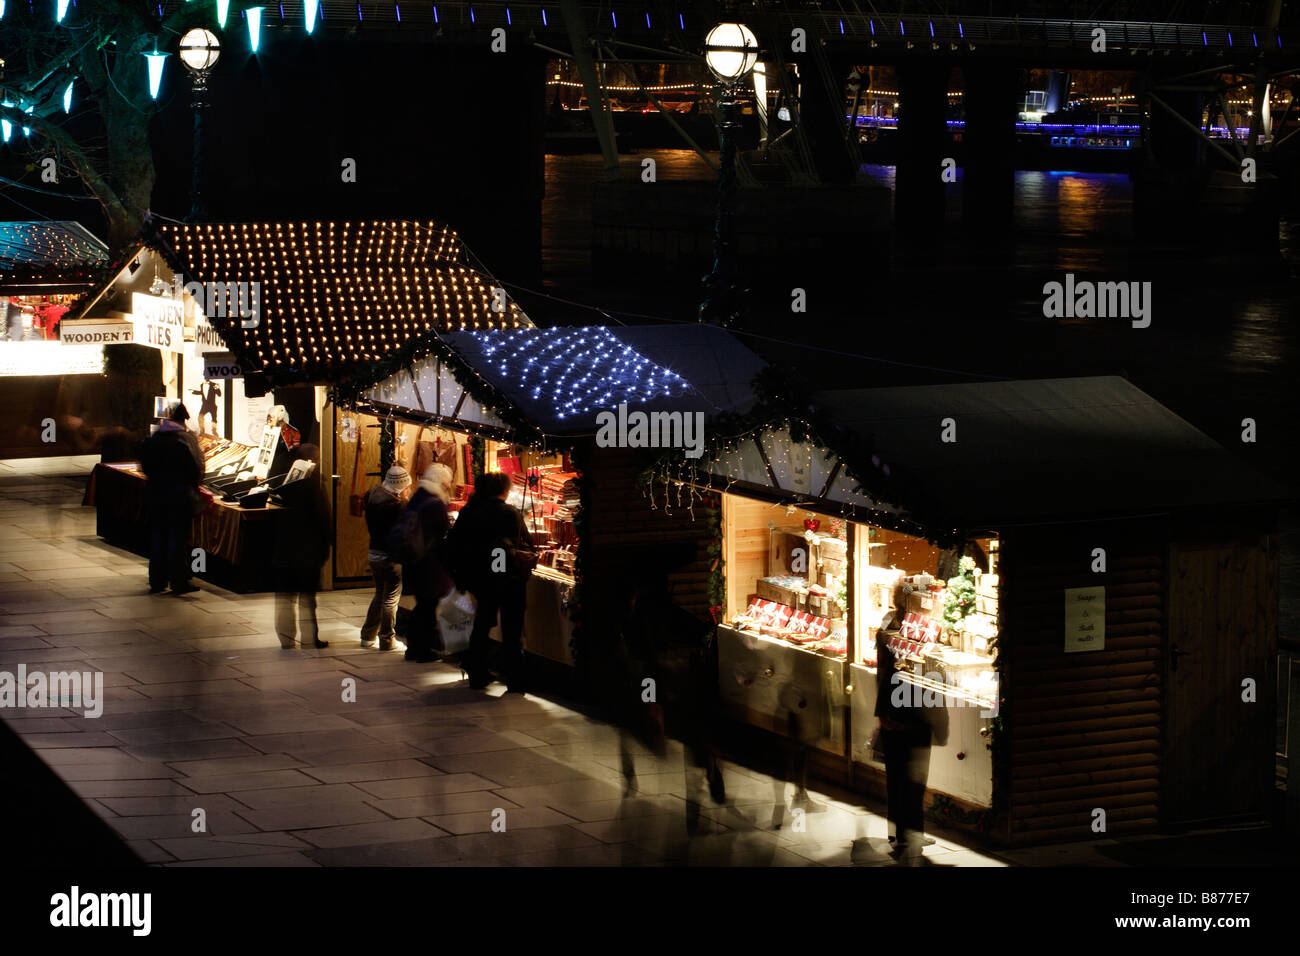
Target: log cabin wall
1081, 731
1221, 683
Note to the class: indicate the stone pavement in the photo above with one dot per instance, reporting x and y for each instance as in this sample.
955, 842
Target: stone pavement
204, 711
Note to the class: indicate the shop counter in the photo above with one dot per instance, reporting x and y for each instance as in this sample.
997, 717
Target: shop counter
962, 767
762, 681
238, 541
547, 626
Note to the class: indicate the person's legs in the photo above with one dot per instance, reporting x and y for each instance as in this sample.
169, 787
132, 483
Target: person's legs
307, 616
158, 550
392, 595
286, 620
918, 770
178, 543
478, 654
370, 627
894, 745
512, 638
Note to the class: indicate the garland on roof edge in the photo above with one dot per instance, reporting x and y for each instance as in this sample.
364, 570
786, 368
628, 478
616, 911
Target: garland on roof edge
782, 401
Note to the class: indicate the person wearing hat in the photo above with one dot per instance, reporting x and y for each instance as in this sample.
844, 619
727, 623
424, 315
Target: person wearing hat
383, 505
172, 463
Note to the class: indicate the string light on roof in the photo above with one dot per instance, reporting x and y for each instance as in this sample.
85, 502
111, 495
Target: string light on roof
577, 371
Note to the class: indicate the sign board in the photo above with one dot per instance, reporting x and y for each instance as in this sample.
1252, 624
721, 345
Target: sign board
206, 338
1085, 619
95, 332
221, 365
159, 323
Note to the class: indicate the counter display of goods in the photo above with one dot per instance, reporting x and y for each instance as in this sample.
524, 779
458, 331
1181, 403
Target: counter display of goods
798, 628
219, 453
548, 499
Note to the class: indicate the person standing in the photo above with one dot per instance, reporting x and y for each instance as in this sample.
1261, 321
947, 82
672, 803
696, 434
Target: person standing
907, 730
302, 544
383, 506
426, 575
173, 465
493, 558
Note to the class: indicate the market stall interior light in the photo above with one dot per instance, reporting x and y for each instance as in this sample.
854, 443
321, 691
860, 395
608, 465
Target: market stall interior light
223, 9
730, 50
67, 97
310, 10
254, 26
60, 11
156, 60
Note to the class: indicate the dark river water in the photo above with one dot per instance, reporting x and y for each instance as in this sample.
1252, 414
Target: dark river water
1222, 345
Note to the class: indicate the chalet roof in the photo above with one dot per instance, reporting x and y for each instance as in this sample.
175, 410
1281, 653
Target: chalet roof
334, 296
560, 378
49, 257
1046, 449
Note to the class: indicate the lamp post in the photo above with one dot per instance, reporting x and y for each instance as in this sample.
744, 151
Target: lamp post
730, 52
199, 52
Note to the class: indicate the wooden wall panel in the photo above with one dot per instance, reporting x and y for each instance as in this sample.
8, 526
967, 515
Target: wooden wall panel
747, 539
1081, 730
1223, 625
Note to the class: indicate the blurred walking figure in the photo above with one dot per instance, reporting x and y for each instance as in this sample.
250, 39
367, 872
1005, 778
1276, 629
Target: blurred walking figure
171, 460
416, 541
302, 543
803, 728
906, 731
383, 507
492, 555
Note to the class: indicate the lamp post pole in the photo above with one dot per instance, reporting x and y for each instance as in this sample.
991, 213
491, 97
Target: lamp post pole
199, 209
199, 52
721, 306
731, 51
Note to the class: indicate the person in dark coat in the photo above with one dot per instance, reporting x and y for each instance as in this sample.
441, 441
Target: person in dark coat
907, 730
302, 545
173, 465
383, 506
427, 578
493, 557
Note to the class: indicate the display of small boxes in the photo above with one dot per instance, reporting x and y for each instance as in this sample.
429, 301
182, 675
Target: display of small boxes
778, 593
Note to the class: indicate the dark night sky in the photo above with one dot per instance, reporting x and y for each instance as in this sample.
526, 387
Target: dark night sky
440, 129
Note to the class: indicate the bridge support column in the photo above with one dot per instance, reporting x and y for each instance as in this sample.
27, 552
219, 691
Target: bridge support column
989, 140
923, 143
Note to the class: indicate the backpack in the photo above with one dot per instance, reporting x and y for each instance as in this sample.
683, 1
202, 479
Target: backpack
406, 541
